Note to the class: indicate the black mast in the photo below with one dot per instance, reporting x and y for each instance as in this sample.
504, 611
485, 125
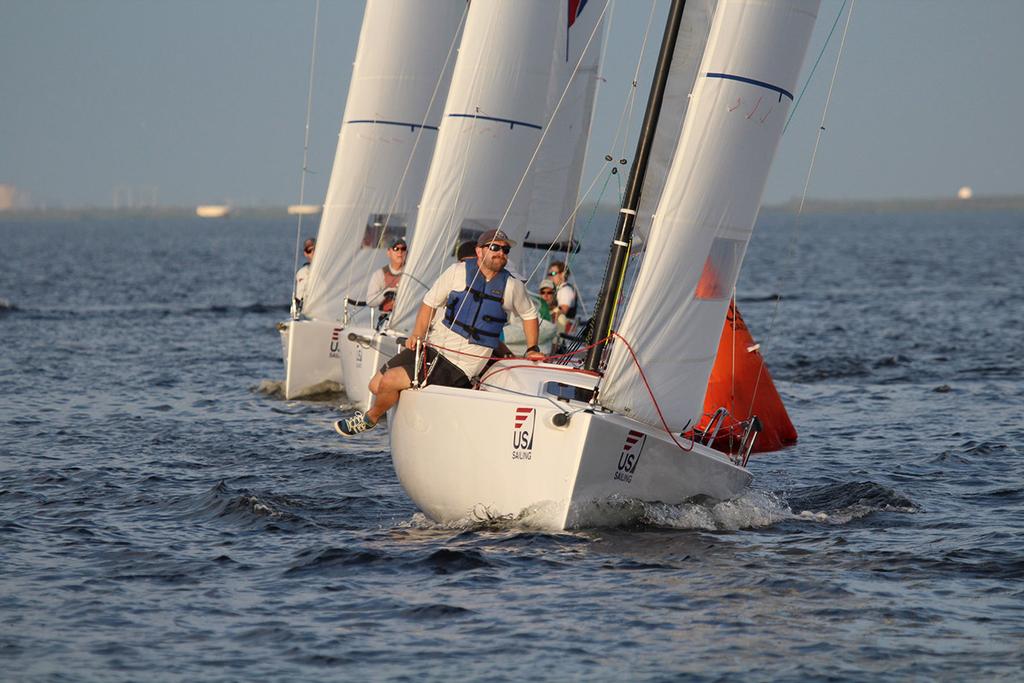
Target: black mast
617, 259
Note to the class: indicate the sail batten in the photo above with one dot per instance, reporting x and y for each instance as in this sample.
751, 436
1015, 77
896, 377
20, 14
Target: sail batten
706, 207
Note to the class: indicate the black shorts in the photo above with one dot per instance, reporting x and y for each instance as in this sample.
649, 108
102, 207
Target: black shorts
442, 371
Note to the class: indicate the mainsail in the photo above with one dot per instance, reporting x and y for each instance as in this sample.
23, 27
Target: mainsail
402, 69
707, 208
512, 59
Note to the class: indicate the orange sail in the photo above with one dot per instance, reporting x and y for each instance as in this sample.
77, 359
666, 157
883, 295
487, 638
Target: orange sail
740, 382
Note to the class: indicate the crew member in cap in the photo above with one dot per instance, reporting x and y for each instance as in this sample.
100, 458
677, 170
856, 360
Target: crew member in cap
472, 301
380, 293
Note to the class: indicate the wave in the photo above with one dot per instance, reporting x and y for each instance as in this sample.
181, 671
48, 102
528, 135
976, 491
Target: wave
146, 310
830, 504
333, 560
245, 508
324, 392
841, 503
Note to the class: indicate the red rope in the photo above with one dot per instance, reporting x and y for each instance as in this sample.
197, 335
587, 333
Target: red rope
636, 361
650, 392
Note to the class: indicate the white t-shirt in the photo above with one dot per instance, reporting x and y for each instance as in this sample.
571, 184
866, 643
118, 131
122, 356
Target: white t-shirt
470, 358
565, 295
301, 275
375, 290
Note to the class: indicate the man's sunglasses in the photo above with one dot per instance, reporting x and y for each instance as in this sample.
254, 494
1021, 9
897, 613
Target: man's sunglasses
398, 248
309, 250
553, 273
503, 248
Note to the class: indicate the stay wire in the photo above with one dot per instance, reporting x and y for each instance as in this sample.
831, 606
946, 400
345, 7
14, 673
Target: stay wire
415, 145
625, 117
797, 222
305, 145
526, 173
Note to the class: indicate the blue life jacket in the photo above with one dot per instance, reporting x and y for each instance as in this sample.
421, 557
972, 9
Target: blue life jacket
475, 312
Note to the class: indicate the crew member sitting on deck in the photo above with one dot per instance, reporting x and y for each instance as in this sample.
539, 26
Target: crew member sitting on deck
565, 293
380, 293
302, 275
548, 308
473, 299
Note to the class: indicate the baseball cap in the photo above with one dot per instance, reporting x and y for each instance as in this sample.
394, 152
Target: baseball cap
494, 236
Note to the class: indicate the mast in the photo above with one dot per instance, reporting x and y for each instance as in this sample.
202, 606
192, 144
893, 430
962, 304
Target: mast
619, 255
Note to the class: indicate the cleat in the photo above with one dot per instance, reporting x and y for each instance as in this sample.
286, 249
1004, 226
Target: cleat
357, 424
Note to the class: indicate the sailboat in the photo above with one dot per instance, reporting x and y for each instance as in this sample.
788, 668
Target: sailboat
402, 69
556, 442
510, 151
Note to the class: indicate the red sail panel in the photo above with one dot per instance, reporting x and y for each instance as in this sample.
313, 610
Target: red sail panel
740, 382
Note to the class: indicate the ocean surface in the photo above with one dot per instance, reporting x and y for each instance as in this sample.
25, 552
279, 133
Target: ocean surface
166, 515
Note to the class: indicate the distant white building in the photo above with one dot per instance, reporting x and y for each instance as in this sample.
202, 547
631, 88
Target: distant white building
304, 209
965, 192
213, 211
12, 198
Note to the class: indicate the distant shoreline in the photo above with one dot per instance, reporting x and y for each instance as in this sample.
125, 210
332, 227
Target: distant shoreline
994, 203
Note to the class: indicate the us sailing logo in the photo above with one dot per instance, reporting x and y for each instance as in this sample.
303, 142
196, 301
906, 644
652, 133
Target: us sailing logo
523, 422
335, 344
629, 458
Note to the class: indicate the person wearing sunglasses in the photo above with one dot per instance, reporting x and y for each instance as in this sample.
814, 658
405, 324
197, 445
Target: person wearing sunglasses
547, 306
380, 293
461, 318
565, 293
302, 274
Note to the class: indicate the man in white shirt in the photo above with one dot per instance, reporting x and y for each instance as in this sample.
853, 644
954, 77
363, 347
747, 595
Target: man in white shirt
302, 275
472, 300
380, 292
565, 293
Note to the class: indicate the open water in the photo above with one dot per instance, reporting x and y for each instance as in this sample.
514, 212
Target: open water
164, 515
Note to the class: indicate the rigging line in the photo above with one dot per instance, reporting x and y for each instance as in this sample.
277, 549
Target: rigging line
547, 127
305, 146
450, 231
814, 68
627, 110
807, 182
791, 250
419, 134
579, 203
536, 151
650, 392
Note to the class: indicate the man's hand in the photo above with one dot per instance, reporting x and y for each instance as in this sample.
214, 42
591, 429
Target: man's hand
410, 342
533, 353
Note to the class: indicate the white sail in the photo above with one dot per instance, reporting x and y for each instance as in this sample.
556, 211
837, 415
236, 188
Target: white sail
402, 69
691, 41
495, 116
706, 212
554, 180
515, 62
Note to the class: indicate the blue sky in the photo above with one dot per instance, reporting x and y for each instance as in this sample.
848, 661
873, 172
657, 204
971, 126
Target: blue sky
203, 101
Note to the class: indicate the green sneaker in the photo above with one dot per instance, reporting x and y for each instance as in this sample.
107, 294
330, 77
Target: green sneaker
357, 424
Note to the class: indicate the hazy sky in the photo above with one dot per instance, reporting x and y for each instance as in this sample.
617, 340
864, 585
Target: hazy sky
203, 101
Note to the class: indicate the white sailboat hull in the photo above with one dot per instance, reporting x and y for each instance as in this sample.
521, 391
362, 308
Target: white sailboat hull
360, 361
463, 454
312, 358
